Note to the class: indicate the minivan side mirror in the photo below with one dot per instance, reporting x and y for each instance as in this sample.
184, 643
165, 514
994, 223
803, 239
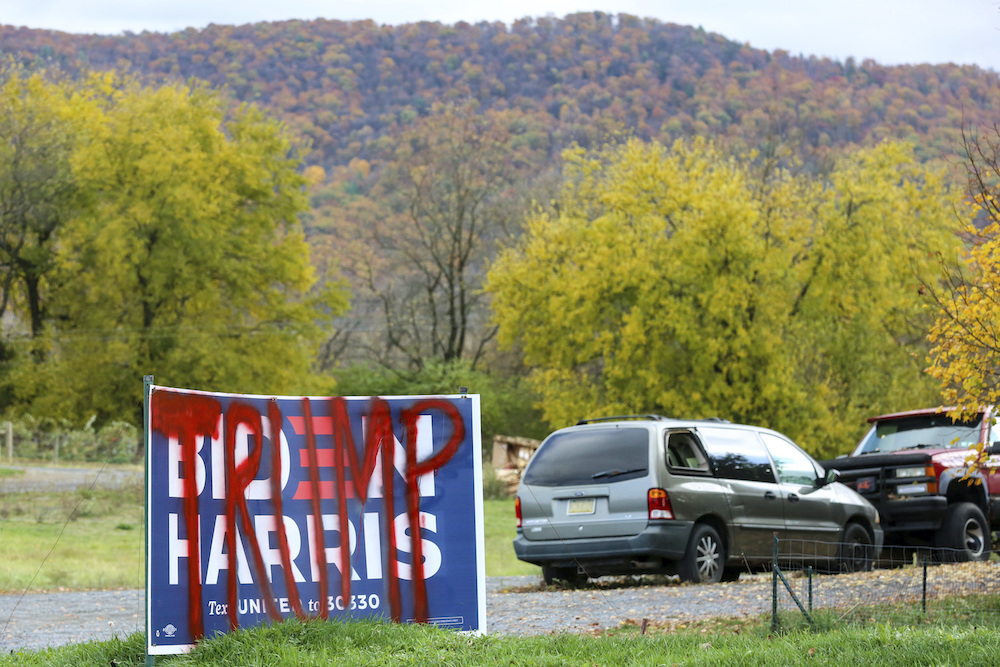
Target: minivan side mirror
831, 477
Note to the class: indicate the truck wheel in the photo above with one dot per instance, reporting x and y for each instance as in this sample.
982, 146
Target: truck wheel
964, 534
856, 553
704, 559
568, 576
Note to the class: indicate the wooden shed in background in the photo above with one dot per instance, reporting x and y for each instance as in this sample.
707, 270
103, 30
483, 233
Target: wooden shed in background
511, 455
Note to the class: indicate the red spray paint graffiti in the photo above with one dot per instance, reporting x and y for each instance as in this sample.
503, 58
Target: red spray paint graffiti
414, 469
188, 417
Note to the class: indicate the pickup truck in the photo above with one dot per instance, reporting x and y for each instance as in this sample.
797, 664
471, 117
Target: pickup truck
912, 466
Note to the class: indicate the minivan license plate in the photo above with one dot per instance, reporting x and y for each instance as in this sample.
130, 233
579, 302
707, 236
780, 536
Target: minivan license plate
581, 506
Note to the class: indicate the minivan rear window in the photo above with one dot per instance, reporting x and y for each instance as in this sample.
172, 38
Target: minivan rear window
591, 456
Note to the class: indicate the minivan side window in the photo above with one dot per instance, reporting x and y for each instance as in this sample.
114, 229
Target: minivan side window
737, 454
794, 466
684, 455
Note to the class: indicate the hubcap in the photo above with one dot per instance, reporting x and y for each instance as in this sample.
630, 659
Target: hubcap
708, 558
974, 539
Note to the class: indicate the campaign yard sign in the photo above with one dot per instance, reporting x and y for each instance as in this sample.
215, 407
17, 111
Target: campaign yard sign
265, 507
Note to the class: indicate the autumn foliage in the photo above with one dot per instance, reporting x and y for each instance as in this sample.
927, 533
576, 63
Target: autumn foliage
681, 281
966, 336
345, 84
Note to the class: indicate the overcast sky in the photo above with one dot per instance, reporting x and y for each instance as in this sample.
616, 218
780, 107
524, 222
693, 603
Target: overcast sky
890, 31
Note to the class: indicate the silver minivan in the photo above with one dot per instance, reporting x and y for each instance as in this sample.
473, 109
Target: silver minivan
702, 499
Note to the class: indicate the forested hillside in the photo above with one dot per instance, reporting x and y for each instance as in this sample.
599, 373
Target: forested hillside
345, 84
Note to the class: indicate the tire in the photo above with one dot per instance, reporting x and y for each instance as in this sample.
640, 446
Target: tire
964, 534
567, 576
705, 556
856, 553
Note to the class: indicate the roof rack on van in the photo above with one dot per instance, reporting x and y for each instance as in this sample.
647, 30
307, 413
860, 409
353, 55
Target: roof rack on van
719, 420
620, 418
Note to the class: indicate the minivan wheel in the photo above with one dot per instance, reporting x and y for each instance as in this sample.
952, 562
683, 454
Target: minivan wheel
704, 559
568, 576
856, 553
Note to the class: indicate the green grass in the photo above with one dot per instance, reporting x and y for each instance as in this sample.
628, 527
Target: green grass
500, 530
303, 644
73, 540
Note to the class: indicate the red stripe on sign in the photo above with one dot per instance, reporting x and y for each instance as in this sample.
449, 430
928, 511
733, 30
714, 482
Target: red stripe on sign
324, 458
327, 490
321, 425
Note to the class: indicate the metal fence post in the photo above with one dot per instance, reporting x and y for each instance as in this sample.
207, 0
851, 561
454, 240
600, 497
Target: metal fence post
774, 587
10, 442
809, 572
924, 596
147, 382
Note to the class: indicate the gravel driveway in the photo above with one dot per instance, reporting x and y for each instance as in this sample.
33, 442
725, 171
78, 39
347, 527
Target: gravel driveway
512, 607
518, 605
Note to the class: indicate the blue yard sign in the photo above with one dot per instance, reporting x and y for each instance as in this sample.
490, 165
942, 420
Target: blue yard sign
262, 508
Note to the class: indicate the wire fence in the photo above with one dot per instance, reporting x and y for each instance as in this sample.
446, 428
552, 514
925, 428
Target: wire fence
903, 587
57, 441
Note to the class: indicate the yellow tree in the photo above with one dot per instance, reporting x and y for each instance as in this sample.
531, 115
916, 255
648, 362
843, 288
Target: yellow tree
686, 282
38, 192
660, 285
188, 261
965, 358
879, 224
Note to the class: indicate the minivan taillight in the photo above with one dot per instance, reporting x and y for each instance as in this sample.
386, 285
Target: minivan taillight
659, 505
517, 510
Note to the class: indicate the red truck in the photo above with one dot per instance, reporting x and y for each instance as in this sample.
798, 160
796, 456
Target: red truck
910, 466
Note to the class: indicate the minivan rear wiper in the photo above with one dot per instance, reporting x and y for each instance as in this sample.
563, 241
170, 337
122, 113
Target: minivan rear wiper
615, 473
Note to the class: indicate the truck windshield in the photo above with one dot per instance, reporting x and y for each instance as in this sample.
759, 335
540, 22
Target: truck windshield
935, 431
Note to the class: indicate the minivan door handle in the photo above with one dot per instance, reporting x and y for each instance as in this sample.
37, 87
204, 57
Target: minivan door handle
770, 495
792, 498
